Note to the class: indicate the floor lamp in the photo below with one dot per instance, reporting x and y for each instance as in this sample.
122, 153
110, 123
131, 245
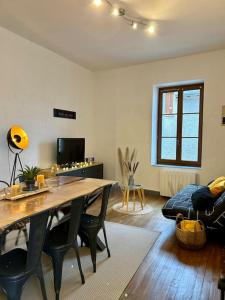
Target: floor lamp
17, 141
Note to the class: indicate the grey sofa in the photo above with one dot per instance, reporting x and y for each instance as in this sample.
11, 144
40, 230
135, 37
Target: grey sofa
181, 203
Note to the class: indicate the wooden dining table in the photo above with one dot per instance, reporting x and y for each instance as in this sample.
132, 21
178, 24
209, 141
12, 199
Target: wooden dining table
62, 189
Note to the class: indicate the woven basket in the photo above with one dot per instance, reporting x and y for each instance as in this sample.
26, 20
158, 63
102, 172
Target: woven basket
188, 239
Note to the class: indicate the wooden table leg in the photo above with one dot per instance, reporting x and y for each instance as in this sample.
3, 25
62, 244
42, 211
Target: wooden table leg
128, 194
143, 195
134, 200
124, 197
140, 198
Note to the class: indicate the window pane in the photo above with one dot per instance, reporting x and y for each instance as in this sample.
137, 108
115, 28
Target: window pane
189, 149
190, 125
191, 101
169, 126
169, 103
168, 150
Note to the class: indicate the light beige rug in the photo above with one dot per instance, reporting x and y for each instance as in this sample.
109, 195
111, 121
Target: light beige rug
132, 210
129, 246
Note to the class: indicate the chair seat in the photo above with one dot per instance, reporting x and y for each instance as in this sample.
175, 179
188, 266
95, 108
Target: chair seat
89, 221
13, 263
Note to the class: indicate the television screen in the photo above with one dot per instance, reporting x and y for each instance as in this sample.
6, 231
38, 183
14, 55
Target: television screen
70, 150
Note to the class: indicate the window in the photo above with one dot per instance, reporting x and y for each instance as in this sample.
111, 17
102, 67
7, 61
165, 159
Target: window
180, 111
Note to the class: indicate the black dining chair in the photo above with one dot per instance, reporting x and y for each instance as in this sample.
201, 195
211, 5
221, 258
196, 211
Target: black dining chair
17, 265
61, 238
4, 233
91, 225
20, 226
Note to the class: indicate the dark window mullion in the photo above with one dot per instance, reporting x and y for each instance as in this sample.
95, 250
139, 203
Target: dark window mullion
200, 124
159, 135
179, 124
194, 113
173, 114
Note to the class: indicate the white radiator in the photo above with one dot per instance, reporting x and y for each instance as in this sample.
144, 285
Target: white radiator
172, 181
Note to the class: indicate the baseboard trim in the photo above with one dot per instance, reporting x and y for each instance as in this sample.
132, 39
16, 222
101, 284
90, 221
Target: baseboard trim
152, 193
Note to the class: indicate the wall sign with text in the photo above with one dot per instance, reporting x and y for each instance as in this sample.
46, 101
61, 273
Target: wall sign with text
223, 115
66, 114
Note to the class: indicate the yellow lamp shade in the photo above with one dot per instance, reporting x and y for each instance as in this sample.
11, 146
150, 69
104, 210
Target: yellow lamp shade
17, 138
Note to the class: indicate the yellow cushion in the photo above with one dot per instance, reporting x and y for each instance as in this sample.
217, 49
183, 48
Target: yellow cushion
219, 179
217, 186
190, 225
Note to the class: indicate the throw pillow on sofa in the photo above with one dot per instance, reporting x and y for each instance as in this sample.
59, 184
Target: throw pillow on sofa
217, 187
203, 199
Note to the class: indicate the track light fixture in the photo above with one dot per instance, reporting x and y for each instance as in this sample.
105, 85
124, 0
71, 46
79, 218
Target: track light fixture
97, 2
151, 29
134, 22
118, 12
134, 25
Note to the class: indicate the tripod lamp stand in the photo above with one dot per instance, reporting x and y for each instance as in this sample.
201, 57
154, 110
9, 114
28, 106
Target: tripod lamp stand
17, 141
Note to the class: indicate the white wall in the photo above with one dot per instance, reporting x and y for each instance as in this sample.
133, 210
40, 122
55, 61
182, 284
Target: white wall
113, 107
33, 81
124, 97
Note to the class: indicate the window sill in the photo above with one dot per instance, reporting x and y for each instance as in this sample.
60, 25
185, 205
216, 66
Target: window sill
174, 166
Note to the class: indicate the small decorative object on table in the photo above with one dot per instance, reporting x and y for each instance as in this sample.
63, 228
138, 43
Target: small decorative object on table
24, 194
29, 175
40, 181
15, 189
54, 169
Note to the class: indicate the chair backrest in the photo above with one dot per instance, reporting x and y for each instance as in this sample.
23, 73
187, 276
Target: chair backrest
105, 200
38, 224
75, 216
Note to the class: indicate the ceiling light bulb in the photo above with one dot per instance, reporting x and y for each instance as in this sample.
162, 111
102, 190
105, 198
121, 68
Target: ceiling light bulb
115, 12
151, 29
134, 25
97, 2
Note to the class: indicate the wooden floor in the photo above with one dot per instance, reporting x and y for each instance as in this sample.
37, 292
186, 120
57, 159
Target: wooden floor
169, 272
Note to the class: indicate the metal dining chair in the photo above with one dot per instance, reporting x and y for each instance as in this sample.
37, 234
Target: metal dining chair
4, 233
91, 225
20, 226
17, 265
61, 238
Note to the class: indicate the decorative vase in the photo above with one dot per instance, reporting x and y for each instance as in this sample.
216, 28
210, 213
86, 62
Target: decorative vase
131, 180
30, 185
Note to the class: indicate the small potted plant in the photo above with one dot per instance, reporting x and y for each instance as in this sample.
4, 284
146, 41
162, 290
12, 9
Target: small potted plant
29, 175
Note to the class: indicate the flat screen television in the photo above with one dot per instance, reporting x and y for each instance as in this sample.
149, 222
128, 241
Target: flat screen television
70, 150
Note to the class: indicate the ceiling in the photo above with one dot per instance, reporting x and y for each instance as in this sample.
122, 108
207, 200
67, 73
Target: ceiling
91, 37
